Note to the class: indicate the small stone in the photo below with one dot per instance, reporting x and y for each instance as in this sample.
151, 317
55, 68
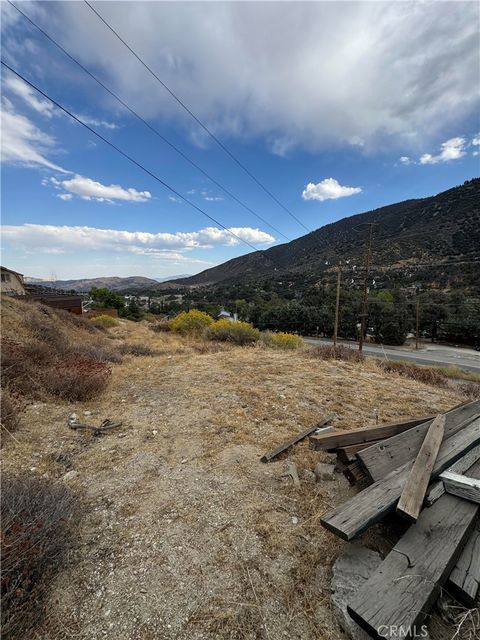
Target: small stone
154, 432
324, 471
295, 520
184, 461
87, 413
70, 475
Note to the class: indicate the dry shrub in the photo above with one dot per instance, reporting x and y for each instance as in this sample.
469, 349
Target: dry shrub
136, 349
340, 352
97, 352
104, 322
471, 390
241, 333
427, 375
191, 323
36, 536
10, 408
79, 379
161, 326
209, 347
31, 371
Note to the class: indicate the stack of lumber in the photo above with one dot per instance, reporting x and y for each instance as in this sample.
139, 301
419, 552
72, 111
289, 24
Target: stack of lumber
426, 471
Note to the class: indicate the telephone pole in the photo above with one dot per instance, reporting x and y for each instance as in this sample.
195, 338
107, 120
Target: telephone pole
363, 315
337, 307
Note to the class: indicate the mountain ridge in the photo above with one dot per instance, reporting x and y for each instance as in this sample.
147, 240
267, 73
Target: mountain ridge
430, 230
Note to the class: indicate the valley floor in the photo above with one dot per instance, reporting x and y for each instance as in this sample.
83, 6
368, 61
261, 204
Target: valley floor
184, 533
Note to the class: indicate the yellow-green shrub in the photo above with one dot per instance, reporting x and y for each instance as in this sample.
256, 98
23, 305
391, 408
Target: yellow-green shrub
191, 323
237, 332
282, 340
104, 322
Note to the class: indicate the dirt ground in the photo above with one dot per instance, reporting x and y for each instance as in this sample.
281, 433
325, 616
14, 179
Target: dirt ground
185, 534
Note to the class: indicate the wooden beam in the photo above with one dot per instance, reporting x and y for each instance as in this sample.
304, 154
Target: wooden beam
373, 503
381, 458
461, 486
354, 473
464, 581
413, 493
395, 600
347, 454
436, 489
301, 436
345, 438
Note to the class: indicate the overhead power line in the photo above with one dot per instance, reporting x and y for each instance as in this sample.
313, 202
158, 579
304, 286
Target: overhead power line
135, 162
147, 124
196, 118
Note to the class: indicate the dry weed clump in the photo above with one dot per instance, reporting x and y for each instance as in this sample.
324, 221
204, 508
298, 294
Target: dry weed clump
340, 352
161, 326
137, 349
36, 535
104, 322
471, 390
99, 352
427, 375
10, 408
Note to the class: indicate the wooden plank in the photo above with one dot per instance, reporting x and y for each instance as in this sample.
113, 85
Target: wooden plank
464, 581
347, 454
381, 458
301, 436
461, 486
345, 438
373, 503
413, 494
436, 489
395, 600
354, 473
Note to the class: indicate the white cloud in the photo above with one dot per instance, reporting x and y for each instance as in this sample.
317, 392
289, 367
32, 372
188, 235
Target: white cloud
28, 95
406, 160
69, 238
64, 196
95, 122
23, 143
452, 149
175, 199
213, 198
328, 73
476, 140
89, 189
328, 189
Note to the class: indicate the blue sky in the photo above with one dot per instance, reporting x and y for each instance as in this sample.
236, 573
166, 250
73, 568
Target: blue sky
337, 108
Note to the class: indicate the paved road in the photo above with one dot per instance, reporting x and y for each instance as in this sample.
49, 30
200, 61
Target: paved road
434, 354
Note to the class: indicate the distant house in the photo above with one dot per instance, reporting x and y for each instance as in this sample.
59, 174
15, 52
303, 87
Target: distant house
226, 315
11, 282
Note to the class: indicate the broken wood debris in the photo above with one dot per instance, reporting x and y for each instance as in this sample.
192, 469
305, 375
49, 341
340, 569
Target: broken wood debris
319, 427
441, 548
107, 424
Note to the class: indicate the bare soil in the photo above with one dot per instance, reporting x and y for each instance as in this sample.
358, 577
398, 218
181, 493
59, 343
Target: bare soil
185, 534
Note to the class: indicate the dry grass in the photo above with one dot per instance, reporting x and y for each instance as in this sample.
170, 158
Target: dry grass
427, 375
340, 352
188, 534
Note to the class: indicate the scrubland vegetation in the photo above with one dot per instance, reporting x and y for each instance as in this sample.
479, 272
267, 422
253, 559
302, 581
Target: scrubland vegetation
200, 401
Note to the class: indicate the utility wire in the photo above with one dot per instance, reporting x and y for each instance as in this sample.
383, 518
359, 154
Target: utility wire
135, 162
147, 124
196, 118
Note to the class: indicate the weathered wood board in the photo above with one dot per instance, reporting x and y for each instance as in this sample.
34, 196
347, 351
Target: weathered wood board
413, 494
464, 581
373, 503
301, 436
461, 486
381, 458
345, 438
463, 464
347, 454
399, 595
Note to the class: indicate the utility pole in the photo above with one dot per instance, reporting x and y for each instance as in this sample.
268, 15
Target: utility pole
417, 330
363, 315
337, 307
